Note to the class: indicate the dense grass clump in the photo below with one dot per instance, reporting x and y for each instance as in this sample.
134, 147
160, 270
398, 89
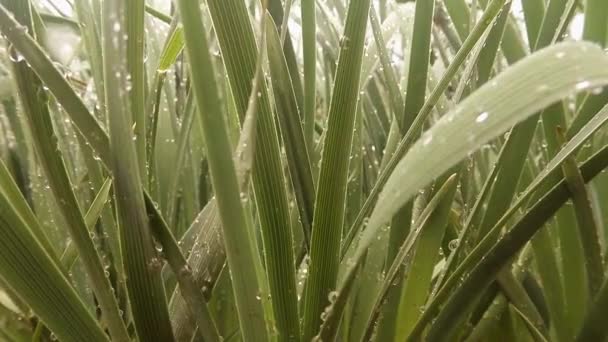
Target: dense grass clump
278, 170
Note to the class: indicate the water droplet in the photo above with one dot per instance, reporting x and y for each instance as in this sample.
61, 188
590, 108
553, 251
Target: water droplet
583, 85
426, 139
481, 117
453, 244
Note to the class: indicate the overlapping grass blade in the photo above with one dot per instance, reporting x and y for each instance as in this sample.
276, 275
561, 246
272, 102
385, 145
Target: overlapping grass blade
291, 129
587, 225
422, 117
238, 46
309, 42
34, 102
136, 87
27, 268
594, 326
498, 255
331, 193
192, 295
490, 114
239, 248
542, 179
141, 262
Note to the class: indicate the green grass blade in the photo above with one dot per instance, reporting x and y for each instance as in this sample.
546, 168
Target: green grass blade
291, 128
422, 116
490, 113
34, 102
239, 250
417, 284
57, 84
587, 225
594, 326
142, 265
487, 259
329, 208
419, 62
28, 269
206, 267
238, 46
309, 42
434, 217
135, 67
192, 295
534, 12
70, 254
25, 212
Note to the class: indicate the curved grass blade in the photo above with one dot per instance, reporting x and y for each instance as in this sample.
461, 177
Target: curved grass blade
545, 176
37, 115
417, 284
588, 228
27, 268
422, 117
431, 221
331, 194
487, 259
490, 114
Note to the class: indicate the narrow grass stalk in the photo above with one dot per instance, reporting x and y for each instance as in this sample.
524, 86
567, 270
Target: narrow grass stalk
239, 250
329, 208
142, 265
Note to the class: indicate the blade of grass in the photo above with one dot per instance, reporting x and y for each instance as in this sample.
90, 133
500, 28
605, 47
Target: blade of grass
309, 52
237, 43
25, 266
489, 259
291, 128
422, 116
239, 250
329, 203
142, 265
594, 326
192, 295
587, 225
34, 102
417, 283
136, 86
